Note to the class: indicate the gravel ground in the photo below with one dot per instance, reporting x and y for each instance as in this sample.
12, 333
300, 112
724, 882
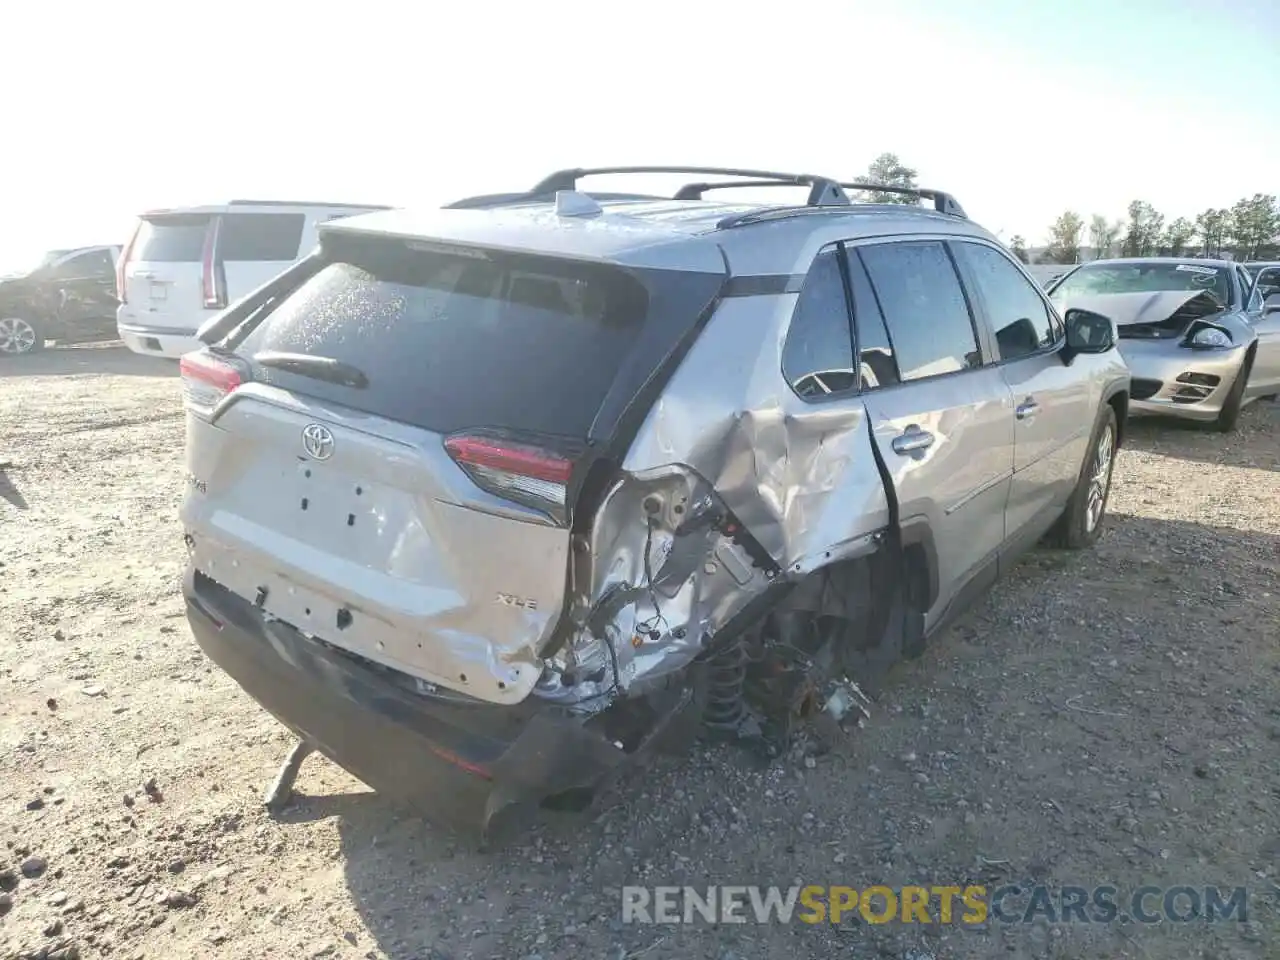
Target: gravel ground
1105, 717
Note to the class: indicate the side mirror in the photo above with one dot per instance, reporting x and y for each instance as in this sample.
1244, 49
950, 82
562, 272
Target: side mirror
1087, 332
1271, 304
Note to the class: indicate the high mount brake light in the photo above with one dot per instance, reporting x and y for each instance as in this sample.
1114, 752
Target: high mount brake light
520, 472
206, 379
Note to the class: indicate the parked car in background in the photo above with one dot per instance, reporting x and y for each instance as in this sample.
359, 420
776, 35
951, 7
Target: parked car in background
481, 500
1197, 334
1266, 274
183, 265
68, 296
1046, 273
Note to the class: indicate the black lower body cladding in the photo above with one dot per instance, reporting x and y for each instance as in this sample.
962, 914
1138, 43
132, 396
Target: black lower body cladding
460, 763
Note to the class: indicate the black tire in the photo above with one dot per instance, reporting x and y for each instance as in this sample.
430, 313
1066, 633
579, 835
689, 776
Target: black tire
1078, 527
13, 341
1231, 407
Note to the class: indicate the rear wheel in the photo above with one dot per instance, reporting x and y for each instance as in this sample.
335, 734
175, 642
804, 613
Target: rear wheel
1081, 521
19, 335
1231, 407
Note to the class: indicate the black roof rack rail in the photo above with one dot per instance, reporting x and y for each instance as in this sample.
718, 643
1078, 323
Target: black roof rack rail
823, 191
942, 202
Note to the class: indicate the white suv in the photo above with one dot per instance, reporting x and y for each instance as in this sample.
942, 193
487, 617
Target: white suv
183, 264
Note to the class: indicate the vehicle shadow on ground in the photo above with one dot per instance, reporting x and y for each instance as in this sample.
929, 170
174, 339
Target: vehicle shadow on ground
110, 358
9, 489
425, 893
1185, 440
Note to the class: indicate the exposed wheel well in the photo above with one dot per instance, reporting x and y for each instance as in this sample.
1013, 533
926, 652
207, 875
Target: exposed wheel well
921, 578
1120, 404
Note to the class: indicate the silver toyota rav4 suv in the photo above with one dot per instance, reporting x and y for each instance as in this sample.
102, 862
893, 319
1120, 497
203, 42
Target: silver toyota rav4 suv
482, 500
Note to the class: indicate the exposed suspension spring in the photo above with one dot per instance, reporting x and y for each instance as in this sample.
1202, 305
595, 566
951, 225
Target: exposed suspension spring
726, 676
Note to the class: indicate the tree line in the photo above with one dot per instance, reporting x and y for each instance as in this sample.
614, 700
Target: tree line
1248, 230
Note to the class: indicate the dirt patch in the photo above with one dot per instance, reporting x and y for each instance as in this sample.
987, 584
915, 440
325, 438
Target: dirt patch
1111, 717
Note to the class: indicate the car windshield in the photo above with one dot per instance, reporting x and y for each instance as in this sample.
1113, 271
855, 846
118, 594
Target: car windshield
1145, 278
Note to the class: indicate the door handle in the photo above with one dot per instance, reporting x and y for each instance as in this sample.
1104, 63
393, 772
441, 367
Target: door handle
912, 439
1027, 409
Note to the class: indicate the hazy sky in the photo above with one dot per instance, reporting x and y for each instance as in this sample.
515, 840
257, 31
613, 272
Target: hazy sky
1022, 109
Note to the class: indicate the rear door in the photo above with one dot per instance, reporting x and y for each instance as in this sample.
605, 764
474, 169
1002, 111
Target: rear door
411, 507
254, 246
87, 286
941, 418
1053, 410
162, 278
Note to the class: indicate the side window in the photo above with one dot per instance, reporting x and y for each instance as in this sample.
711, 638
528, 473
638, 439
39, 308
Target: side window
817, 358
1020, 319
260, 236
1249, 290
1268, 282
94, 264
924, 307
876, 364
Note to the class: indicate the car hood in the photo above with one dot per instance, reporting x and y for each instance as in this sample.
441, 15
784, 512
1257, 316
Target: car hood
1146, 308
1158, 315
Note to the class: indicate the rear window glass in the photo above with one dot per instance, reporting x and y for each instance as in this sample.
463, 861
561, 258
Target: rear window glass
450, 342
260, 236
176, 238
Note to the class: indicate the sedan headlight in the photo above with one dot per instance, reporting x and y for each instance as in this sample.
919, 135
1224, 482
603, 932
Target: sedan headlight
1211, 337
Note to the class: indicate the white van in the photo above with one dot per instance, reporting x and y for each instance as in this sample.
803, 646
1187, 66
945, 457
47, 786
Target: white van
183, 265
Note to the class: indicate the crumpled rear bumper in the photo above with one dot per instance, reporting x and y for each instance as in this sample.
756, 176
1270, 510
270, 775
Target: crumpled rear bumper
460, 761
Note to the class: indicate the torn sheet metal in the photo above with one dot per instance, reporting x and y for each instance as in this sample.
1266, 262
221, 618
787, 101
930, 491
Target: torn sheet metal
798, 474
733, 482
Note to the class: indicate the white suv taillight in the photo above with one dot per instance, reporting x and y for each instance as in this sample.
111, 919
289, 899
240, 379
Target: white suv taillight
525, 474
213, 284
122, 283
206, 379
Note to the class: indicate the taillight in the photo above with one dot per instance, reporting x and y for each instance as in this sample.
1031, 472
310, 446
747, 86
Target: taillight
529, 475
212, 283
122, 284
206, 379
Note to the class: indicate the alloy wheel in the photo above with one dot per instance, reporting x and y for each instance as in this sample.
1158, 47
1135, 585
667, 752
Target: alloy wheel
16, 335
1099, 479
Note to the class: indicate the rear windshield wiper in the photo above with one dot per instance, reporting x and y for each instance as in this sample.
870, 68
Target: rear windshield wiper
318, 368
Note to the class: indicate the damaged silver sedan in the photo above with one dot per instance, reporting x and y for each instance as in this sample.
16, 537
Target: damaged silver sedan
1202, 337
487, 503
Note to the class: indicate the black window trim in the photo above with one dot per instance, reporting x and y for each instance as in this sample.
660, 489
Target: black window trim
985, 351
967, 279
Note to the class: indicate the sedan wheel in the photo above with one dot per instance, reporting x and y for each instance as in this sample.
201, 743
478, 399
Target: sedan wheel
17, 336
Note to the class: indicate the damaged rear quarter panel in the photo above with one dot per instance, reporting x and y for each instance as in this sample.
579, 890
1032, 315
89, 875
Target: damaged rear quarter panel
801, 478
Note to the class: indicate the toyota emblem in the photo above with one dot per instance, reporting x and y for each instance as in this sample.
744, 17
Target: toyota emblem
317, 440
